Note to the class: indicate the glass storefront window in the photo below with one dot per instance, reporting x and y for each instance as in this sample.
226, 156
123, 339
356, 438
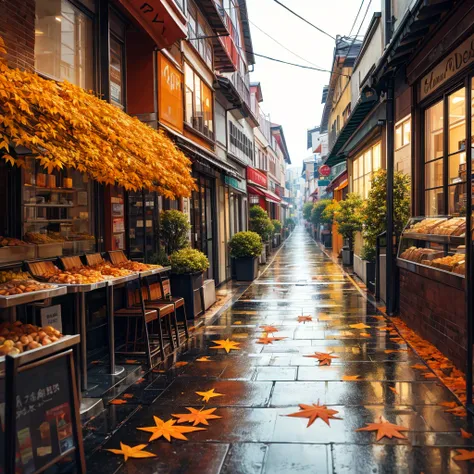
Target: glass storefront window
116, 73
434, 132
457, 121
363, 169
64, 43
58, 207
402, 134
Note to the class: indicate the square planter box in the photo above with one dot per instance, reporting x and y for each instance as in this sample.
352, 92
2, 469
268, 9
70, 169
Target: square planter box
246, 268
347, 257
189, 286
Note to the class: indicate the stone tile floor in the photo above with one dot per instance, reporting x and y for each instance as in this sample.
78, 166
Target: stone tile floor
260, 383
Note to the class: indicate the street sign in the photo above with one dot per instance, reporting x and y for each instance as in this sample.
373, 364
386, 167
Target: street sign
324, 170
323, 182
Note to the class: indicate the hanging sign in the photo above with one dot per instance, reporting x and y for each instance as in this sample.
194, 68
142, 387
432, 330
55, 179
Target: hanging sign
460, 58
324, 170
323, 182
257, 177
235, 183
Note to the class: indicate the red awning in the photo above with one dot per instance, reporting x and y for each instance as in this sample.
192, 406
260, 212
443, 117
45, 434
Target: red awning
268, 195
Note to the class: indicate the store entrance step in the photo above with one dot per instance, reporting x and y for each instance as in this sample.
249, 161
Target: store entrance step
90, 407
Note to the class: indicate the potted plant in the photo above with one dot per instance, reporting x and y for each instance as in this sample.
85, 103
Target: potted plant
375, 211
260, 223
174, 230
276, 232
349, 220
368, 255
187, 268
245, 247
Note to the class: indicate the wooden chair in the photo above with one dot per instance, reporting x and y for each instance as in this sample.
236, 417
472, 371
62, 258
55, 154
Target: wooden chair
160, 292
146, 322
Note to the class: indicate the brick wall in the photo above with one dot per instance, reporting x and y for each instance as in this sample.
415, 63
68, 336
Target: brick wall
436, 312
17, 28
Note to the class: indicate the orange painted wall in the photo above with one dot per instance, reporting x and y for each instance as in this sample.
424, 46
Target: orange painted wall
337, 240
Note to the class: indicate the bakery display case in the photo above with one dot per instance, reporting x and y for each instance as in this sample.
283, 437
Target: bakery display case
434, 247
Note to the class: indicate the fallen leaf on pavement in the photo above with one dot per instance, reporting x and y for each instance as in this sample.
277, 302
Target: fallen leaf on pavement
117, 401
464, 455
315, 411
196, 417
269, 340
203, 359
269, 329
139, 381
359, 326
206, 396
226, 344
304, 319
385, 428
419, 367
181, 364
127, 395
348, 378
466, 434
132, 451
238, 322
168, 430
323, 357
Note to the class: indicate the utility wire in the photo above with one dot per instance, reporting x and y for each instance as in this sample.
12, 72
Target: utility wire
360, 26
304, 19
357, 16
291, 64
282, 45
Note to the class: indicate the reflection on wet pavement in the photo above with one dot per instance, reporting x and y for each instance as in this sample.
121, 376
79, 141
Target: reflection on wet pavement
261, 383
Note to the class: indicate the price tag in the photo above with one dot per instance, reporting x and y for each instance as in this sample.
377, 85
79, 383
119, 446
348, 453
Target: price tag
51, 316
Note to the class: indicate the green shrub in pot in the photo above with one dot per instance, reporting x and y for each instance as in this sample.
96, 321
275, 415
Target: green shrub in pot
188, 260
245, 244
262, 226
256, 212
174, 229
276, 226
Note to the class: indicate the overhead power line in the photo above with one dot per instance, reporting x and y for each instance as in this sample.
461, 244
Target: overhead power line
304, 19
360, 26
283, 46
291, 64
357, 16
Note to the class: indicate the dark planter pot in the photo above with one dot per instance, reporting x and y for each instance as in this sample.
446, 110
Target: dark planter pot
370, 272
188, 286
347, 257
246, 268
276, 241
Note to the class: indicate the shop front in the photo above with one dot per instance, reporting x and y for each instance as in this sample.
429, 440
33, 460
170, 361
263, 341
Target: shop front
432, 254
259, 194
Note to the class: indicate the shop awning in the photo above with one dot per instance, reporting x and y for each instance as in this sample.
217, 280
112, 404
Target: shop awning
64, 126
201, 154
268, 195
335, 184
360, 112
343, 185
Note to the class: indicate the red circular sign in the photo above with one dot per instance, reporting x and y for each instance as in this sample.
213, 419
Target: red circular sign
324, 170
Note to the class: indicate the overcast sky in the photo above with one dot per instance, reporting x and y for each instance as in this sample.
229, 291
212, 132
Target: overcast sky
292, 96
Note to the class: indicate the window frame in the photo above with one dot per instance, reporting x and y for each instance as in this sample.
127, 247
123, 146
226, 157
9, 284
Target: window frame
401, 126
446, 186
361, 184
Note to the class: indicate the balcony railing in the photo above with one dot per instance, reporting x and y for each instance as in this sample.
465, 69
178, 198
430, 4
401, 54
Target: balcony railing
242, 87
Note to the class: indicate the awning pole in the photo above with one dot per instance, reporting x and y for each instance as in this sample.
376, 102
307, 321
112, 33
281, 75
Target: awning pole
468, 247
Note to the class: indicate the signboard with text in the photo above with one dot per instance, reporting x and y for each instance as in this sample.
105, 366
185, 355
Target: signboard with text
51, 316
257, 177
324, 170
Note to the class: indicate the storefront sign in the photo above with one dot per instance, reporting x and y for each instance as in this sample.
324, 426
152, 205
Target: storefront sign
257, 177
159, 18
51, 316
170, 95
460, 58
323, 182
235, 183
324, 170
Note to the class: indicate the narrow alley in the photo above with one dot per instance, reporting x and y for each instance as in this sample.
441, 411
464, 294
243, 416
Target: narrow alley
358, 372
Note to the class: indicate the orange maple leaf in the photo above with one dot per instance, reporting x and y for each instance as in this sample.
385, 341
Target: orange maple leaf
196, 416
385, 428
132, 451
315, 411
204, 359
304, 319
127, 395
168, 430
269, 329
206, 396
323, 357
180, 364
349, 378
464, 455
227, 345
117, 401
466, 434
359, 326
269, 340
419, 367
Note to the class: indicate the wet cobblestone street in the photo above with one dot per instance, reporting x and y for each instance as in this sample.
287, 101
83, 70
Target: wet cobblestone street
261, 383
